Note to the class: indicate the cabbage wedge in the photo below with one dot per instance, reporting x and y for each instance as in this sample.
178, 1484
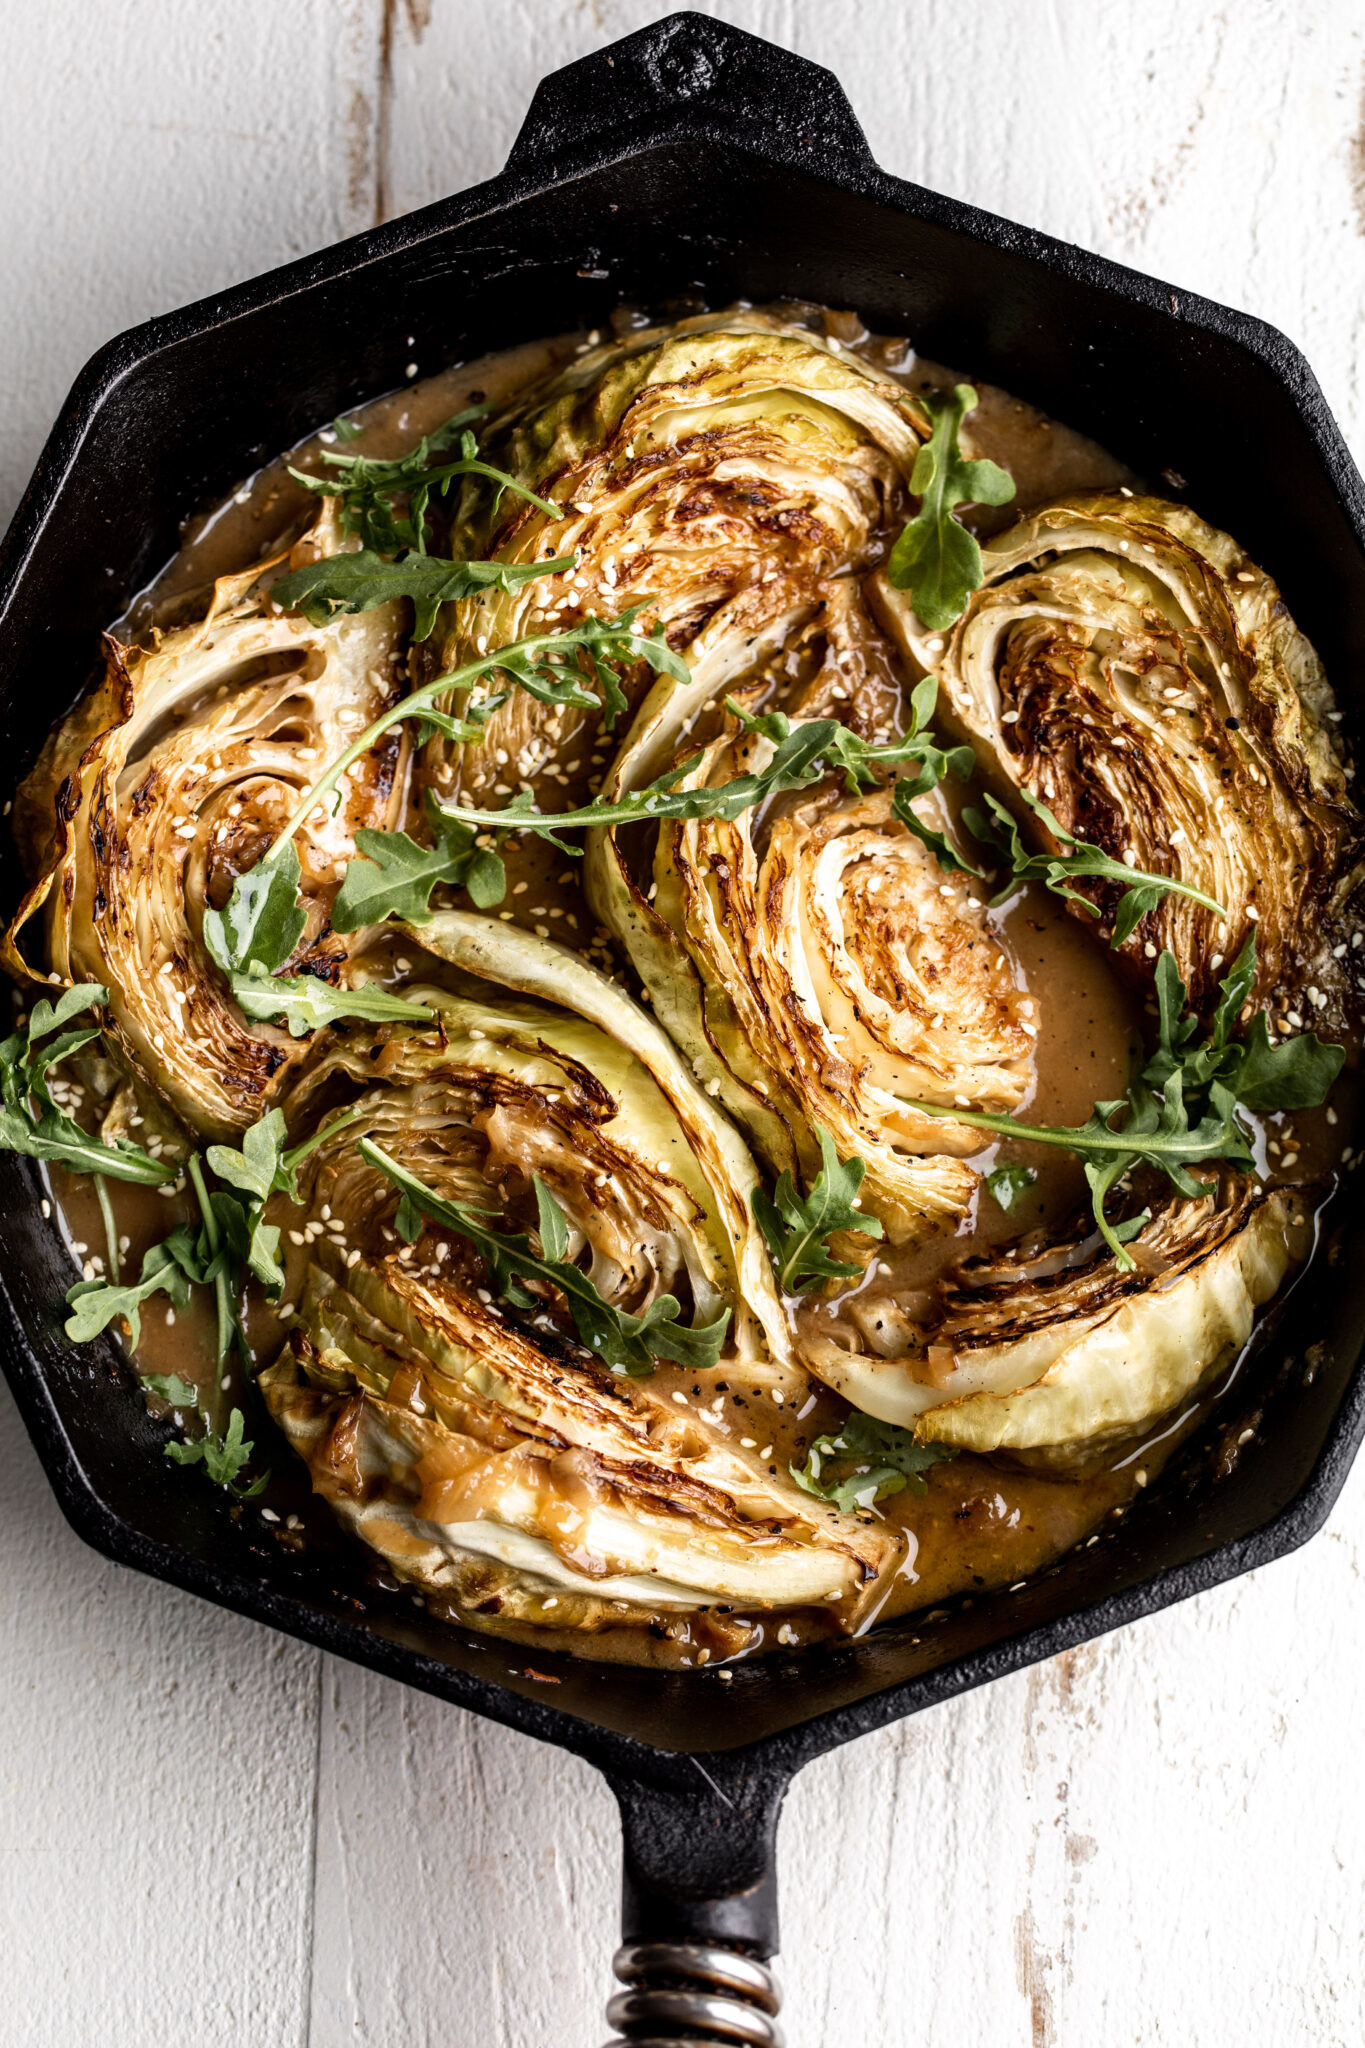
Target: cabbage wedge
485, 1462
821, 971
1064, 1351
172, 778
1129, 665
725, 474
464, 1436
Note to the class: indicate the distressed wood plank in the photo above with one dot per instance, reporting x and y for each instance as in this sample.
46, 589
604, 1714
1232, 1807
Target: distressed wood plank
157, 1761
437, 1921
146, 164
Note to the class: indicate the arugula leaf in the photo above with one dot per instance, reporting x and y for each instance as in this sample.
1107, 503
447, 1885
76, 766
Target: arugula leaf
254, 1167
232, 1243
262, 921
256, 1170
1007, 1183
166, 1269
170, 1387
1182, 1110
630, 1345
46, 1132
796, 1227
368, 486
260, 925
466, 731
395, 876
305, 1004
1298, 1073
235, 1240
996, 827
804, 753
935, 558
884, 1460
224, 1458
1155, 1130
359, 582
597, 647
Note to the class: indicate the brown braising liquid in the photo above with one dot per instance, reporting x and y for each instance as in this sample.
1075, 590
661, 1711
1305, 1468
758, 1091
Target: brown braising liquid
981, 1523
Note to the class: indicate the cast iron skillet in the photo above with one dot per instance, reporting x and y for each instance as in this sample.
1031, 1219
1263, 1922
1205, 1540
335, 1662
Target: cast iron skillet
689, 163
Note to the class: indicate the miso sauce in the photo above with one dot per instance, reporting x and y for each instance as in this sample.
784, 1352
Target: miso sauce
982, 1522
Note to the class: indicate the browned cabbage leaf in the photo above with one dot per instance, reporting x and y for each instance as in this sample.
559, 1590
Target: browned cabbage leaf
820, 969
458, 1435
172, 777
1061, 1348
1127, 663
727, 473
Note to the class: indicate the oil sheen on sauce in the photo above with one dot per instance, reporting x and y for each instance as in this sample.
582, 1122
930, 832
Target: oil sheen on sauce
982, 1522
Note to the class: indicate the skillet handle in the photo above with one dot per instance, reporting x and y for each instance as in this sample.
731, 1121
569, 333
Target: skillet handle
688, 68
698, 1915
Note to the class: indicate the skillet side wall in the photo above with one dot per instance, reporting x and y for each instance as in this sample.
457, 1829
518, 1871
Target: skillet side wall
173, 416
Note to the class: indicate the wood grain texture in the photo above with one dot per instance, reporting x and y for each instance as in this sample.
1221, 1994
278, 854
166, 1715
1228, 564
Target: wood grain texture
211, 1837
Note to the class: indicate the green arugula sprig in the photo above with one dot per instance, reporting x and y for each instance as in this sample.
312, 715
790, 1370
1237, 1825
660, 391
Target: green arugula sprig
253, 936
31, 1122
394, 876
875, 1459
997, 828
305, 1004
1182, 1109
630, 1345
1007, 1183
804, 753
224, 1458
231, 1244
359, 582
255, 933
168, 1268
371, 490
170, 1388
935, 558
797, 1227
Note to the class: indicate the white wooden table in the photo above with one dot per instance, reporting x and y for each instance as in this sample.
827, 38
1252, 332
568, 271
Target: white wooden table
212, 1837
